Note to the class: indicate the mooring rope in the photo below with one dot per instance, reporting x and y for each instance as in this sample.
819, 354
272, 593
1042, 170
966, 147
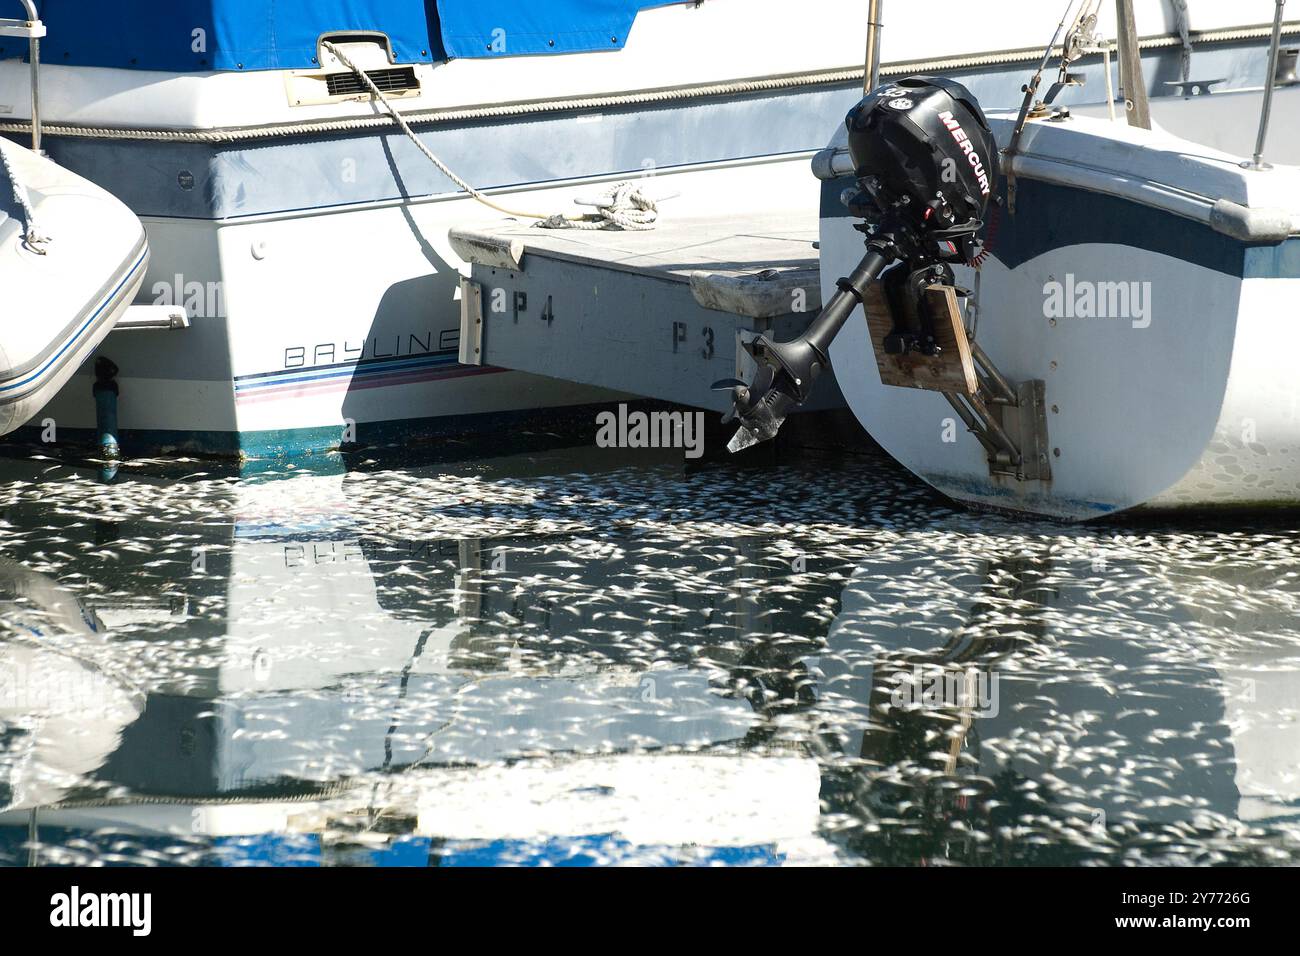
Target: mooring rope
32, 238
623, 206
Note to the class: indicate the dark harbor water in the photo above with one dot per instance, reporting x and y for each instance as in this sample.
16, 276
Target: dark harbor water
584, 656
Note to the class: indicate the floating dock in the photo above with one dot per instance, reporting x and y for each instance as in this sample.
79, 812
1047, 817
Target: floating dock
659, 313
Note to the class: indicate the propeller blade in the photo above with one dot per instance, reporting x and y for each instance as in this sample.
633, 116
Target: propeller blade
726, 384
743, 439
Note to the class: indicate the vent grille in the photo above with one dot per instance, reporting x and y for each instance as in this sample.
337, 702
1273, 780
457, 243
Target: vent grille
388, 81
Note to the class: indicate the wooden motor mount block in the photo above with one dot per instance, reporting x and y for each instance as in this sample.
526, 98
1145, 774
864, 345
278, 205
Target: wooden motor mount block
952, 370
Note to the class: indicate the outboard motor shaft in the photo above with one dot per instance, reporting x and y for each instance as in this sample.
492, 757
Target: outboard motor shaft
925, 162
787, 370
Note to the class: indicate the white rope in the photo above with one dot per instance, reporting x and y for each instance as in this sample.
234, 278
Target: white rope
32, 237
623, 206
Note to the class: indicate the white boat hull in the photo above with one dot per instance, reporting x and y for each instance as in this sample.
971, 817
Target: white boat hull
315, 265
1185, 397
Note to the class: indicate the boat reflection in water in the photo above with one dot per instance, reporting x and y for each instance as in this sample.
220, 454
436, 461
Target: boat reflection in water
567, 659
61, 716
1069, 699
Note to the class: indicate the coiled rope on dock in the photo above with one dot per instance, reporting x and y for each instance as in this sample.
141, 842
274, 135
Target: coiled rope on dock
32, 237
622, 205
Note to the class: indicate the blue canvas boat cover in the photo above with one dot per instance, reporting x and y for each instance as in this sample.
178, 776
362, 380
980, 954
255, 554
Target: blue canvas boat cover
202, 35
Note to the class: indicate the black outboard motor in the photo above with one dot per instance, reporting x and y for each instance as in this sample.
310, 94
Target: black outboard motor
926, 165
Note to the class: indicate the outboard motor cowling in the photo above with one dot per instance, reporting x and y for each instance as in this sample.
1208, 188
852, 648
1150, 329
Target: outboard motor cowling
924, 148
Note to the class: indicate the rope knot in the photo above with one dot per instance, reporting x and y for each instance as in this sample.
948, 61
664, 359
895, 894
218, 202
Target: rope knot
32, 237
622, 206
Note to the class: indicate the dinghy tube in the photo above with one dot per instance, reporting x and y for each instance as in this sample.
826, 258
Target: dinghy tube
72, 258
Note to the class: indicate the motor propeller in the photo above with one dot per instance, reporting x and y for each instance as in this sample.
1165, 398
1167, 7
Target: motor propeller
925, 162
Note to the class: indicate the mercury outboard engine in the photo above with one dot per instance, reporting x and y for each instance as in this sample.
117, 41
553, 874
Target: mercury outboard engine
926, 165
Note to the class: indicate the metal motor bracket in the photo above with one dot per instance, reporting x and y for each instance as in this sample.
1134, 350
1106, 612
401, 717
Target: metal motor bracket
1009, 419
1025, 423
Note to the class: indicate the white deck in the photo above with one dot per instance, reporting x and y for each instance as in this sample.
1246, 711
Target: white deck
746, 264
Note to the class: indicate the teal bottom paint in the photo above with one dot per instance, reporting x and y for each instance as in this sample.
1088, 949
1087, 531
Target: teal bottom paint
279, 445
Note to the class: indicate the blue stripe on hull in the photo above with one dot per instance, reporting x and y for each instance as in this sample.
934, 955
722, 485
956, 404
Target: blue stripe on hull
1079, 217
344, 370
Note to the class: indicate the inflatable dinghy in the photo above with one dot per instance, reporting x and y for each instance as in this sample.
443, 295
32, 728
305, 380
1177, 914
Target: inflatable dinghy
72, 257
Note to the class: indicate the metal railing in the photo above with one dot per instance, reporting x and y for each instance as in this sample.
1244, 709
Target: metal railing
871, 75
33, 29
1270, 80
